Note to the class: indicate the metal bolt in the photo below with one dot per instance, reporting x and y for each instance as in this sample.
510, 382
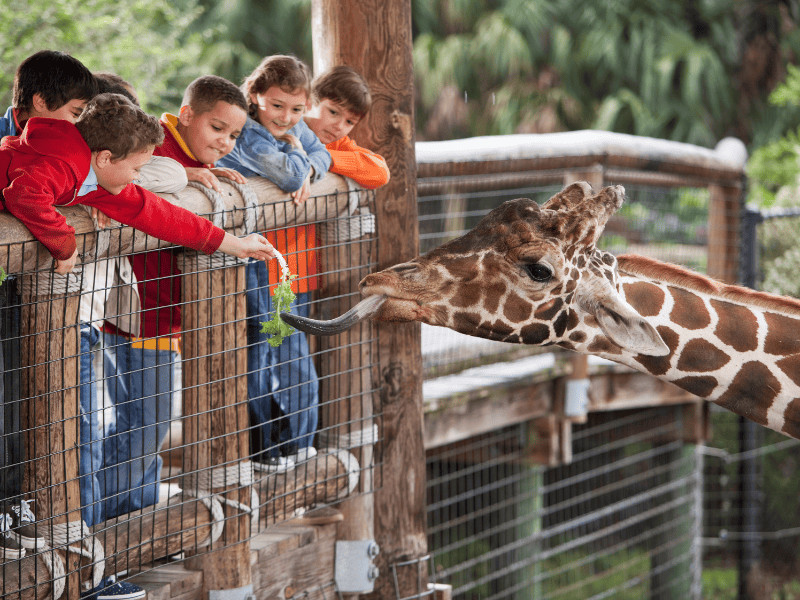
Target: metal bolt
373, 573
373, 549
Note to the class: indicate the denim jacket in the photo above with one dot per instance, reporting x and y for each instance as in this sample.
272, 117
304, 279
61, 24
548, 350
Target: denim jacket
7, 124
257, 152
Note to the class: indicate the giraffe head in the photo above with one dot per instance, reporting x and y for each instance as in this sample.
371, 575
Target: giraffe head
525, 274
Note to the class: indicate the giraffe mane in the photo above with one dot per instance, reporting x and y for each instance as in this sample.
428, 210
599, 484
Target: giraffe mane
649, 267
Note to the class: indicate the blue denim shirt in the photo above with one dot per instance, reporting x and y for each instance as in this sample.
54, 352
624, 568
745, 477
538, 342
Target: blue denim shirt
7, 125
258, 153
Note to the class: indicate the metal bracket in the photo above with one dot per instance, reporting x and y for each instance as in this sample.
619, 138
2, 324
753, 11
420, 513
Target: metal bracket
242, 593
354, 571
576, 397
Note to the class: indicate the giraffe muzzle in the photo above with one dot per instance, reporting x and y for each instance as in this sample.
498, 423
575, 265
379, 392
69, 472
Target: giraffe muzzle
365, 309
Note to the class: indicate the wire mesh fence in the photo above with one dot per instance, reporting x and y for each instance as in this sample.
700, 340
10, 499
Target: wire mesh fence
148, 419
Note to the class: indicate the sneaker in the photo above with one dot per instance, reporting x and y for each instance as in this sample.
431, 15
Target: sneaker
275, 464
23, 525
304, 454
10, 548
111, 589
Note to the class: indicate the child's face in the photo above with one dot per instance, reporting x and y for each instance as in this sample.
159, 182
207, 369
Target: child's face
114, 174
278, 110
212, 134
333, 122
68, 112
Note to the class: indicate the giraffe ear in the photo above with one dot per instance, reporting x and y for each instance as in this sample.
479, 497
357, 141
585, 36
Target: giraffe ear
628, 329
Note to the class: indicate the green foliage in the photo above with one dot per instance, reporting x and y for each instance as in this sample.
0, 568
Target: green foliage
146, 42
720, 584
282, 300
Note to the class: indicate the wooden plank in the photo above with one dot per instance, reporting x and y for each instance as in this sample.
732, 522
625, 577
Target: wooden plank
375, 39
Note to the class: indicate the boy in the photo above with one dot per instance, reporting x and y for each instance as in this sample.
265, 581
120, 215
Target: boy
93, 162
276, 144
140, 366
48, 84
341, 100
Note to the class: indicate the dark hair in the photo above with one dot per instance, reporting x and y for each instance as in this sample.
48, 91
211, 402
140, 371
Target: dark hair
204, 93
56, 77
285, 71
108, 82
112, 122
344, 86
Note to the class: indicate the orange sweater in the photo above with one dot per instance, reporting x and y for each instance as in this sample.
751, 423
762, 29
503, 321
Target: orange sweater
363, 166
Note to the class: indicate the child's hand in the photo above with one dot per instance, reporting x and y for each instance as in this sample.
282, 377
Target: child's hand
102, 218
251, 246
303, 193
204, 176
65, 266
231, 174
292, 140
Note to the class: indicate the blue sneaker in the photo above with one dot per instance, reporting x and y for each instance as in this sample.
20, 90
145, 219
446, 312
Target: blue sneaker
111, 589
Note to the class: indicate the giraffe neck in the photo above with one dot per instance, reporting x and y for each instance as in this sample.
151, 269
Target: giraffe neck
736, 347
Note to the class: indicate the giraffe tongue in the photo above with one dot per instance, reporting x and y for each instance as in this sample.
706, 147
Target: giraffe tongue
363, 310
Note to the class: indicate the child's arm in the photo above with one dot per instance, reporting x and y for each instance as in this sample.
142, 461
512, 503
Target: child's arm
363, 166
209, 177
252, 246
318, 155
283, 165
31, 196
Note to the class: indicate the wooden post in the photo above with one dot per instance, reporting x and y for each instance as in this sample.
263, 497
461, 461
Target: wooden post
375, 39
215, 411
724, 223
51, 413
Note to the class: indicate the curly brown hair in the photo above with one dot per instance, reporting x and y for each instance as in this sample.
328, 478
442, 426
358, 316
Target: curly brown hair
344, 86
112, 122
282, 70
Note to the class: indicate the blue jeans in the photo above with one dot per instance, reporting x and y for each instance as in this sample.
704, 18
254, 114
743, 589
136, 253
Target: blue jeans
282, 382
91, 431
140, 384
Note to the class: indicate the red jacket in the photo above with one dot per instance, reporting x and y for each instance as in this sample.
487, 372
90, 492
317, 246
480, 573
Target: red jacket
44, 168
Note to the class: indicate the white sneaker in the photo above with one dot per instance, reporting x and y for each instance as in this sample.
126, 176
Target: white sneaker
304, 454
276, 464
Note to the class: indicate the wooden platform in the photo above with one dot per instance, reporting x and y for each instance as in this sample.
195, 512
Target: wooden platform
289, 560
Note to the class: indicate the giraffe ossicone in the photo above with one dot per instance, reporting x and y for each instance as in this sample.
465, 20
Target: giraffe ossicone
534, 275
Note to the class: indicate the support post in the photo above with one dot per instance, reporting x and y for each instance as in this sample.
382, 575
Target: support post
216, 426
375, 39
51, 413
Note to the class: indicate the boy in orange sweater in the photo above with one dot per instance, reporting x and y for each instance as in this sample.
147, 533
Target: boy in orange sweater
342, 99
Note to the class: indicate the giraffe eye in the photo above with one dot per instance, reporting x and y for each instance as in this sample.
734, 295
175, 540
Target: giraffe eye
539, 272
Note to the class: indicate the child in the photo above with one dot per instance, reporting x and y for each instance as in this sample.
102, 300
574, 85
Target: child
341, 100
48, 84
276, 144
141, 365
101, 154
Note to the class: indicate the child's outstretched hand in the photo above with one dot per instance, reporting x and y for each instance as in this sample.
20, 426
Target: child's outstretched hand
65, 266
251, 246
204, 176
231, 174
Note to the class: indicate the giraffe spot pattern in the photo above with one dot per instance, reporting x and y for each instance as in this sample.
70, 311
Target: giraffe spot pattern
791, 367
689, 311
646, 299
702, 385
658, 365
791, 419
753, 380
603, 345
493, 295
560, 324
469, 294
778, 342
577, 336
739, 327
535, 333
517, 309
700, 355
549, 309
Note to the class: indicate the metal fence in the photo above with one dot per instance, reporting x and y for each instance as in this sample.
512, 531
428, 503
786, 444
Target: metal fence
194, 444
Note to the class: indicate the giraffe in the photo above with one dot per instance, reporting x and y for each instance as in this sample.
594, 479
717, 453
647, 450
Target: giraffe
534, 275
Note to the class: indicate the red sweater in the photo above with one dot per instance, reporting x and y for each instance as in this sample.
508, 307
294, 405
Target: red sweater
44, 168
157, 271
